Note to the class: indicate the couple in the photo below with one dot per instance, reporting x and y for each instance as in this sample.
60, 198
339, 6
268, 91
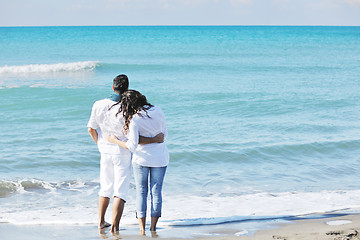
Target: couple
122, 124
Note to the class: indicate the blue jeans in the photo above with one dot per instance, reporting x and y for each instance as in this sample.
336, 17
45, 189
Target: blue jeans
141, 175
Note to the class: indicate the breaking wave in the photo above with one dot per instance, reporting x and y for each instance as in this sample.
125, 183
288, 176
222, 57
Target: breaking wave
48, 68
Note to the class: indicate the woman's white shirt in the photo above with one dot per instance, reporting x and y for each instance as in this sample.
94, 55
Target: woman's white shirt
153, 154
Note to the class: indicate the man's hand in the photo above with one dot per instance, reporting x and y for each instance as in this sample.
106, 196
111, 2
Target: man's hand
93, 133
159, 138
147, 140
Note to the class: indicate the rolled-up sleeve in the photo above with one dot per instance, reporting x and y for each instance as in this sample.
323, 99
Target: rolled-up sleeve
92, 121
133, 137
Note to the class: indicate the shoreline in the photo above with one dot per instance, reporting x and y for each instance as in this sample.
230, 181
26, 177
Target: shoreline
320, 227
333, 227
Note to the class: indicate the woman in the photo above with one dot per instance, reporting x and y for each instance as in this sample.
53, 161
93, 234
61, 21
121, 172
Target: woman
149, 161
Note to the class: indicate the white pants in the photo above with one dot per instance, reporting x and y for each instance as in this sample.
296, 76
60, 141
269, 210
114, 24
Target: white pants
115, 175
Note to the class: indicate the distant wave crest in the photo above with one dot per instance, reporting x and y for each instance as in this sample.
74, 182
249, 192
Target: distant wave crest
48, 68
8, 188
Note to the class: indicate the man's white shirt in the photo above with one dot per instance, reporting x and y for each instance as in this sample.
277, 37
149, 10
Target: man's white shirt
105, 123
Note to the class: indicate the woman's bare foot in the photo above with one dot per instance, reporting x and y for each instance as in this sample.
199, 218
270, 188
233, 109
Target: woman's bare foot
154, 221
142, 224
154, 234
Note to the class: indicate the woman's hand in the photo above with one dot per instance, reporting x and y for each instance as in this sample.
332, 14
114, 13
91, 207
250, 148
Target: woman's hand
112, 138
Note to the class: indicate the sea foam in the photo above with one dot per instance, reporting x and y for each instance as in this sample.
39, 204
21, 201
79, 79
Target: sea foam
72, 202
338, 222
48, 68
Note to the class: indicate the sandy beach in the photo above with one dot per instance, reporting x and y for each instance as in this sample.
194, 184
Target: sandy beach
335, 228
340, 227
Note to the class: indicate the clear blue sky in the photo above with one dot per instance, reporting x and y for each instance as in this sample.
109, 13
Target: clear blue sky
179, 12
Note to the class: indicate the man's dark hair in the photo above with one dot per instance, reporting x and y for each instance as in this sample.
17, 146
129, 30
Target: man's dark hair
121, 83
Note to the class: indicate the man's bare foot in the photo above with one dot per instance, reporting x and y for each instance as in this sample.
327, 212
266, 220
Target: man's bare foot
104, 225
142, 232
114, 229
116, 236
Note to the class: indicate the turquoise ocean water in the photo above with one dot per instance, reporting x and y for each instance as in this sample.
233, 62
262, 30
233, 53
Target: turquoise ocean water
263, 122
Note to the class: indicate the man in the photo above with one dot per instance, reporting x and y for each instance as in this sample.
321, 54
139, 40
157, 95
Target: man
115, 162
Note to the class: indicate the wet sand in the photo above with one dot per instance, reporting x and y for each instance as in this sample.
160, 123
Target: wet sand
341, 227
345, 227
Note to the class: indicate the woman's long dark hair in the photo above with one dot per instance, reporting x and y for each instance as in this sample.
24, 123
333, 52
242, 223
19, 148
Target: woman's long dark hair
131, 103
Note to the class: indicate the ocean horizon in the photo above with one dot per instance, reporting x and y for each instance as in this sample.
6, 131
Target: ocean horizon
188, 25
